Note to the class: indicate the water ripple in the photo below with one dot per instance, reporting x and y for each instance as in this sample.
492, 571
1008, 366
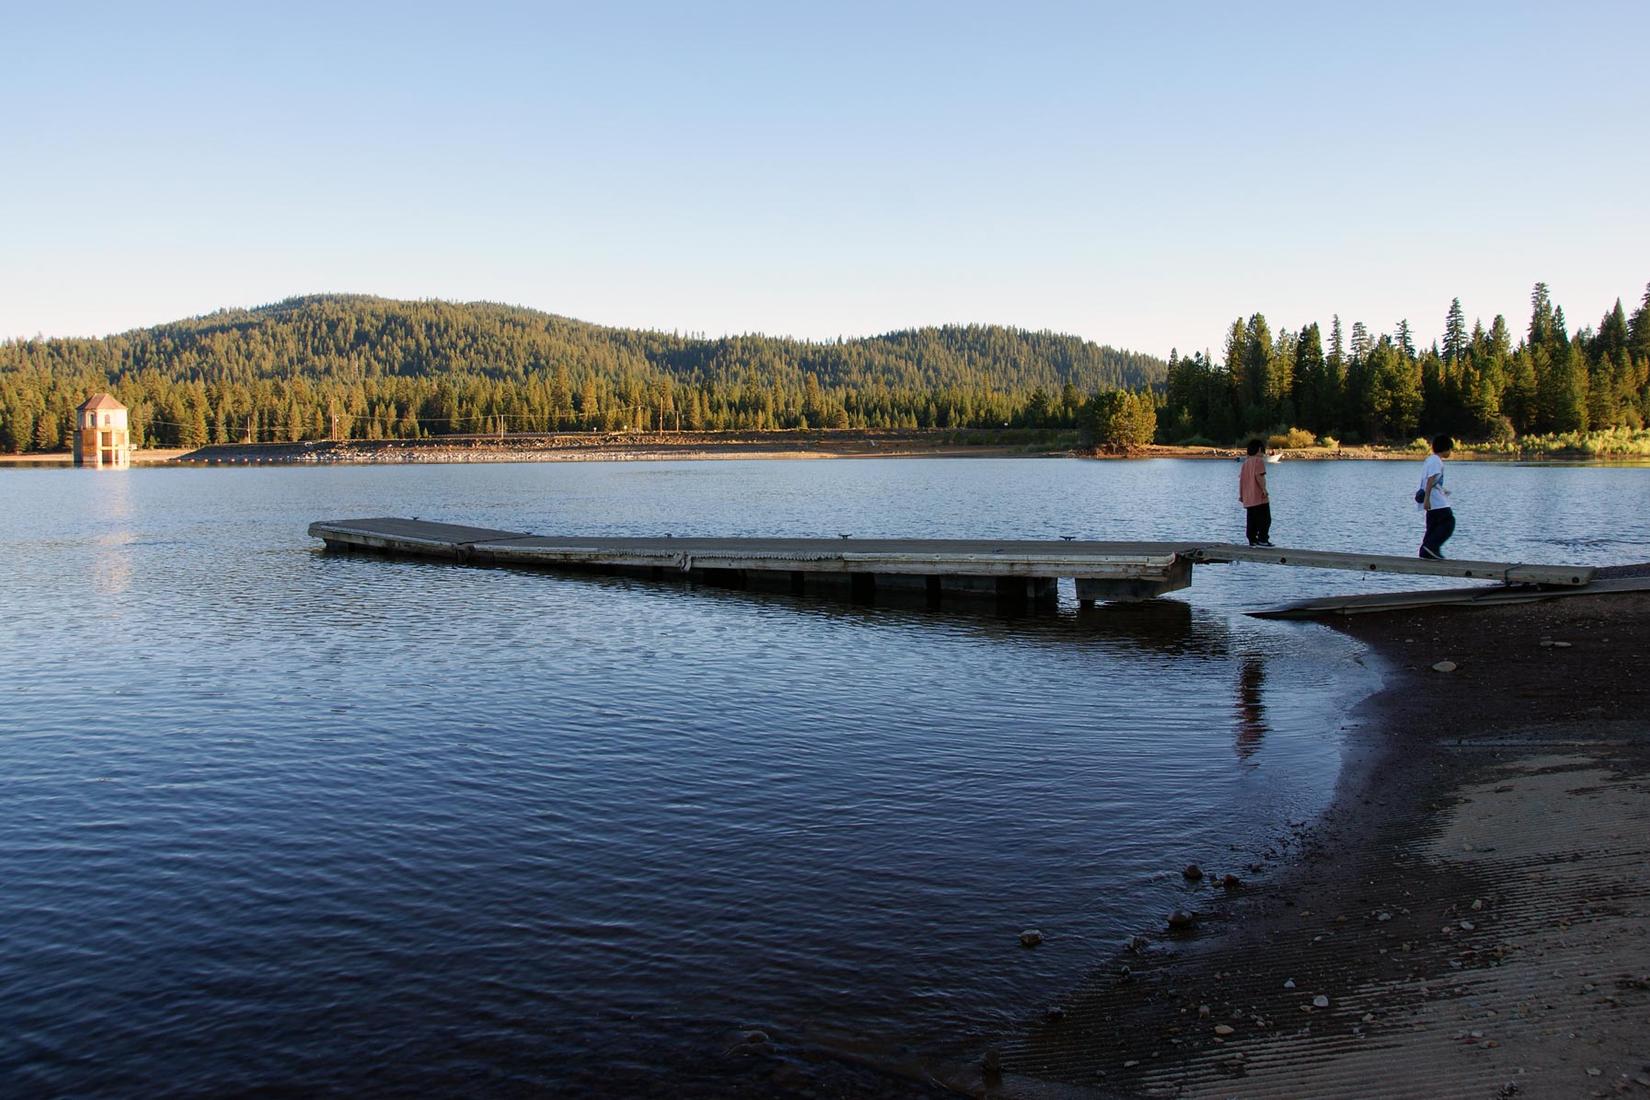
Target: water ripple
289, 821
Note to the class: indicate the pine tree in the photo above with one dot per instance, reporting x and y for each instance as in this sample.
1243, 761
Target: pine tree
1571, 408
1235, 352
1541, 315
589, 403
1613, 335
1638, 329
1237, 383
1405, 342
1282, 377
192, 431
1394, 397
561, 399
1610, 371
1316, 403
1257, 370
1455, 333
1482, 398
48, 434
1637, 403
17, 427
1361, 345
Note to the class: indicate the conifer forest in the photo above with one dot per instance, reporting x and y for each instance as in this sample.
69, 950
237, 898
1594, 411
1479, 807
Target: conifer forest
356, 367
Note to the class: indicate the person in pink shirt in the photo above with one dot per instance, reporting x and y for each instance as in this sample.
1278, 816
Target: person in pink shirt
1252, 494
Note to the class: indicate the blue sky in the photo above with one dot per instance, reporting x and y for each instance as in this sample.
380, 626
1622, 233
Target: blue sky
1137, 174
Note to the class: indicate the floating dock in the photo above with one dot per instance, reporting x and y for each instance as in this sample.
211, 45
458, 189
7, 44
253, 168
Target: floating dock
1001, 569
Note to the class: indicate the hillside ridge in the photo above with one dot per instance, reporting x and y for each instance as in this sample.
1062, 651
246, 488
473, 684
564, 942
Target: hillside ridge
360, 366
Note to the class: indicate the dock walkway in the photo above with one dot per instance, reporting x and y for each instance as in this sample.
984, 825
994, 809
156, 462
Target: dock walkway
998, 568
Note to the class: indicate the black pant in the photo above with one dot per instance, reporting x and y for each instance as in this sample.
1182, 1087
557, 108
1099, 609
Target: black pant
1440, 526
1259, 523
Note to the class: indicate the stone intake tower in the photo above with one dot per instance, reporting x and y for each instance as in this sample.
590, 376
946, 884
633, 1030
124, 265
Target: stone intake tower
102, 437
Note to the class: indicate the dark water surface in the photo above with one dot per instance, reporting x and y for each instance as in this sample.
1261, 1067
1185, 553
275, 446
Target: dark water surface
333, 824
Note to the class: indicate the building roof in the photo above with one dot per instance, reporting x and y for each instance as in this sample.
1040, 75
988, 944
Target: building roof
100, 401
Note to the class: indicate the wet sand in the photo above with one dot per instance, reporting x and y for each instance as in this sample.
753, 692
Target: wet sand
1470, 918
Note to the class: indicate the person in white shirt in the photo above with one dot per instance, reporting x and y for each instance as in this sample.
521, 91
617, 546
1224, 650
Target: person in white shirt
1434, 499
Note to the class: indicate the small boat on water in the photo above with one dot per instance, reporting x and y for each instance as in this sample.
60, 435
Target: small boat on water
1274, 458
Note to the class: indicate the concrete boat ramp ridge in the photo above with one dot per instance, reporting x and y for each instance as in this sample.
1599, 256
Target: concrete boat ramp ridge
1012, 570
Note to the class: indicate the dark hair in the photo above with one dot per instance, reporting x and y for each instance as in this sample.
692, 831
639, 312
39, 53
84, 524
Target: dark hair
1254, 446
1442, 444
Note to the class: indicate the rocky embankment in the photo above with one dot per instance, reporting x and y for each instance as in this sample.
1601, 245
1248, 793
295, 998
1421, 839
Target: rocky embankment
612, 446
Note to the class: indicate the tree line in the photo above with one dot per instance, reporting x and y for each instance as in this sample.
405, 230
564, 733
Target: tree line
1363, 387
355, 367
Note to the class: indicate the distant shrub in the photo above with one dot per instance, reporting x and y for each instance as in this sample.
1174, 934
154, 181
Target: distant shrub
1330, 442
1289, 439
1420, 444
1608, 443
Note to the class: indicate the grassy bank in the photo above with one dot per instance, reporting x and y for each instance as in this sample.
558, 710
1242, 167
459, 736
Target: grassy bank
1611, 443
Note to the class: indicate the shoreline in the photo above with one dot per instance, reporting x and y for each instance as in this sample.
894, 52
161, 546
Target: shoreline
1470, 905
65, 459
766, 445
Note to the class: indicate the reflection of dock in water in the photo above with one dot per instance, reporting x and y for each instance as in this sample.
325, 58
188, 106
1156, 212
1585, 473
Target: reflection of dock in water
932, 570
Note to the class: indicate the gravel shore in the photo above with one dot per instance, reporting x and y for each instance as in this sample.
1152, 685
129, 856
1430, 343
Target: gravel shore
1471, 918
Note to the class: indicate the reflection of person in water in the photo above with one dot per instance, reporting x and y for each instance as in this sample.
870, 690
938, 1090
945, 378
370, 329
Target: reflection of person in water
1251, 712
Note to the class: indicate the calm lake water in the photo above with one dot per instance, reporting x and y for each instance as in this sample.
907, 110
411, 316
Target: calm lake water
326, 824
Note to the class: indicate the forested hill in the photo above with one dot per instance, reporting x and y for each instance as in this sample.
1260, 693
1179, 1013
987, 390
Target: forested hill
367, 367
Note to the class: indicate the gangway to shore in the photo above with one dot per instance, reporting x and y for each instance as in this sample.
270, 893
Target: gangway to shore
1000, 569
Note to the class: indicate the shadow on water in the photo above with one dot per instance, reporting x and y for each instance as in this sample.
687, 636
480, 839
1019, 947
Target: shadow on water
1165, 625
